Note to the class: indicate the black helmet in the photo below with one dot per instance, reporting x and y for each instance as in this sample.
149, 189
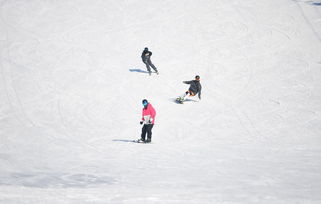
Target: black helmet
146, 49
197, 77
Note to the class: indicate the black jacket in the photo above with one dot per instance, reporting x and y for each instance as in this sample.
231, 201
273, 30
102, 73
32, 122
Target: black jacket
195, 87
146, 55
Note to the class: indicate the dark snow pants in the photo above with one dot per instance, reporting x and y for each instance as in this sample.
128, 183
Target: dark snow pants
147, 128
149, 64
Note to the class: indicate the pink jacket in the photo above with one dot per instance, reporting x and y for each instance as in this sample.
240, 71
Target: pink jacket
149, 113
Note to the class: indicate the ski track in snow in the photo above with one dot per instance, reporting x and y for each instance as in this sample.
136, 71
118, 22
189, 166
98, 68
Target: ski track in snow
72, 82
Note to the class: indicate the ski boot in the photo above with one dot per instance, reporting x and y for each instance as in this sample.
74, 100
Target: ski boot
140, 140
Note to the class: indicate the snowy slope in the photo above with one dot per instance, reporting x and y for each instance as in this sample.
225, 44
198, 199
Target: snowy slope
72, 82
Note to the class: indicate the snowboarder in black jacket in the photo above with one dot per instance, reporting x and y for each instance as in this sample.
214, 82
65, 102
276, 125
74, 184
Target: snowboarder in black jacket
146, 55
194, 88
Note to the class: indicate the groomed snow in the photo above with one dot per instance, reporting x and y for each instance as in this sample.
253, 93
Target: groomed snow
72, 81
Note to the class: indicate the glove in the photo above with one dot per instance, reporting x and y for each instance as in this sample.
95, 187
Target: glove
141, 122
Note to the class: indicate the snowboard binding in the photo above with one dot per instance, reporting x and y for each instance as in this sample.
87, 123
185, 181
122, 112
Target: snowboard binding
180, 100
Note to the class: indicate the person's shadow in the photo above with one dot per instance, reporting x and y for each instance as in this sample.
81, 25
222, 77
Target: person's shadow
138, 70
316, 4
123, 140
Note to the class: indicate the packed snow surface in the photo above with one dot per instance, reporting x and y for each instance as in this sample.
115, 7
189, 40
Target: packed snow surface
72, 82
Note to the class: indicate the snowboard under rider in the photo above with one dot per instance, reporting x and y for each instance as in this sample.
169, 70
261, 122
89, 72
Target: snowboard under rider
194, 88
146, 55
148, 119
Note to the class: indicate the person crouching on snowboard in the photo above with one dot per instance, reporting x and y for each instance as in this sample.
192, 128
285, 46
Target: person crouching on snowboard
146, 55
195, 88
148, 119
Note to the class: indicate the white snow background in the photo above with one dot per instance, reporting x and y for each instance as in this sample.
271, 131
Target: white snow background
72, 81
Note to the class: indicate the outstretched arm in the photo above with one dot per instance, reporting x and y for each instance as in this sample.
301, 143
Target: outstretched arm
187, 82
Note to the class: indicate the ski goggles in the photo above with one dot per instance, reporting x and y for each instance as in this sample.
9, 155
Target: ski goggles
145, 103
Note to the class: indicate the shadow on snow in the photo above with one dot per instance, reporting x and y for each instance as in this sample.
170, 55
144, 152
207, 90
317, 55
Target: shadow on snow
138, 70
120, 140
186, 100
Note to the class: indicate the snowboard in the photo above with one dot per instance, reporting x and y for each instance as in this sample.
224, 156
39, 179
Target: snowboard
140, 141
150, 73
180, 100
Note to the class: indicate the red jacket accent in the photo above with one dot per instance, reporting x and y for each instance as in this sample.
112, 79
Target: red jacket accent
149, 112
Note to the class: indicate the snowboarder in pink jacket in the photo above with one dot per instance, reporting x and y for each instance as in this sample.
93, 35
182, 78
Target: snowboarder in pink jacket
148, 119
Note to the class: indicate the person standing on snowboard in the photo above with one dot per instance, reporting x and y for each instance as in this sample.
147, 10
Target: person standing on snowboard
148, 119
146, 55
194, 88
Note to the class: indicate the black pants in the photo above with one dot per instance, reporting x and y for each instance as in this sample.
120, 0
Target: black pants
147, 129
149, 63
